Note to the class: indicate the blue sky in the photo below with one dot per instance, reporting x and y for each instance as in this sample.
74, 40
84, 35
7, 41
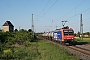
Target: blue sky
47, 14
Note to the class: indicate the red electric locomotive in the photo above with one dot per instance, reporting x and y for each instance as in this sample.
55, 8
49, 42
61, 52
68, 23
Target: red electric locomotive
64, 34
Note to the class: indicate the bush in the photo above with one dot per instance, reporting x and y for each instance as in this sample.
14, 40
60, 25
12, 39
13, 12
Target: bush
27, 43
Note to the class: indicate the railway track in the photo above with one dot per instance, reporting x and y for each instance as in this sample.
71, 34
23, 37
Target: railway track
83, 47
80, 51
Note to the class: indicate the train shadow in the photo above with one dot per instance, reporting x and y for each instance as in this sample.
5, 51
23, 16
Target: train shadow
80, 43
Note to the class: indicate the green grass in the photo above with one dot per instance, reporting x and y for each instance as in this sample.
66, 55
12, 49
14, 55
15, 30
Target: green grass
84, 40
43, 51
19, 52
49, 51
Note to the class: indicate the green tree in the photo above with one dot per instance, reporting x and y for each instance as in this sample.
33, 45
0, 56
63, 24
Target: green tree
29, 30
16, 30
87, 33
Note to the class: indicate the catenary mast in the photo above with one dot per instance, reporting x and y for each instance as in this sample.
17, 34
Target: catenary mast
32, 27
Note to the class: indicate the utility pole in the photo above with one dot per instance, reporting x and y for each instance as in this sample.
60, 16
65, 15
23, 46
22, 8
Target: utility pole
81, 28
33, 33
32, 27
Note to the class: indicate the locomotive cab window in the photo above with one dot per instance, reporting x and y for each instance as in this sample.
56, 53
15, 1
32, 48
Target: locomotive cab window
68, 32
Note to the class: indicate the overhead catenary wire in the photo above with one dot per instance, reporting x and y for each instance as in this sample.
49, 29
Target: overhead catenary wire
82, 19
49, 8
55, 3
43, 9
79, 13
46, 4
74, 8
69, 11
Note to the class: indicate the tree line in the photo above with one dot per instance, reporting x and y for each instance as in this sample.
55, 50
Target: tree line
18, 45
18, 37
85, 33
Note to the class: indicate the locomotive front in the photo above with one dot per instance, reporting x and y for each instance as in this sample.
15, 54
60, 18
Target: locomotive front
68, 35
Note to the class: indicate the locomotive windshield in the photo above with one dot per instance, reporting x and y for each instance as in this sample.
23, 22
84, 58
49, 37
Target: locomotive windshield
68, 32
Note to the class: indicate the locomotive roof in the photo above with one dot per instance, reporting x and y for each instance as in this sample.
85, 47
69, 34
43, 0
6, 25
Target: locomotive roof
64, 28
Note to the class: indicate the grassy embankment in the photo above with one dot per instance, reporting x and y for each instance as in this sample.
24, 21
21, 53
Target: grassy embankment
84, 40
43, 51
46, 51
49, 51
